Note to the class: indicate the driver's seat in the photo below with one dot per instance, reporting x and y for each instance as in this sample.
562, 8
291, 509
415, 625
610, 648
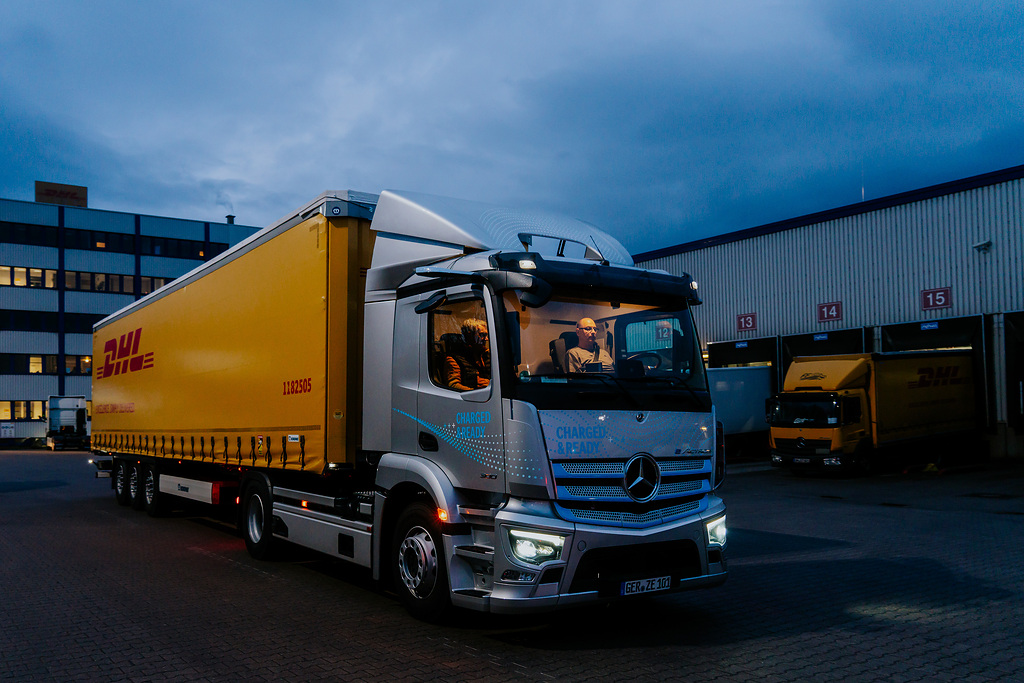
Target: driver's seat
558, 348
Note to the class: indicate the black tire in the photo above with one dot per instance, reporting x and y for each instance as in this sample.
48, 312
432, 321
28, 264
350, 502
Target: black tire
153, 500
136, 490
256, 520
419, 570
122, 470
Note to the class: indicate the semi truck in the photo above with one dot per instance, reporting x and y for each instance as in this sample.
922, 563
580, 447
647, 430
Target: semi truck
67, 422
847, 411
383, 379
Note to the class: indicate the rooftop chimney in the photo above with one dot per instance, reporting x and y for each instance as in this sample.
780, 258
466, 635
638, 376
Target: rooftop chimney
230, 219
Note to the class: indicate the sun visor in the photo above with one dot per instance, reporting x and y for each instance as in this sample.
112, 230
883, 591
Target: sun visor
826, 375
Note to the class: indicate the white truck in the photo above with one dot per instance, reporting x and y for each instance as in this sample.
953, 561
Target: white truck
383, 378
67, 422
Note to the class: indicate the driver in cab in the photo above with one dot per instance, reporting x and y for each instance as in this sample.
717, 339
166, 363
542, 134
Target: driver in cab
588, 356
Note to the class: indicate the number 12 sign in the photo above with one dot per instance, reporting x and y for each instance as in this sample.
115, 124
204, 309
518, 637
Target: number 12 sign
936, 298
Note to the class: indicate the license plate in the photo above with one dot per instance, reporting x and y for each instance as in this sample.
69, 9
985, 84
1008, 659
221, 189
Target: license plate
802, 461
646, 585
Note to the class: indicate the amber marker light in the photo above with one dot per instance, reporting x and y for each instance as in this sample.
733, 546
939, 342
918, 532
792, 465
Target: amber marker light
442, 515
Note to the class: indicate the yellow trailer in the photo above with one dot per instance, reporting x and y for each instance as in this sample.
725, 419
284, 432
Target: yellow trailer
838, 411
252, 359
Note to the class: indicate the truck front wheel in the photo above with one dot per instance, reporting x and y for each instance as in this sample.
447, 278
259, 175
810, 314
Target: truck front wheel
257, 519
418, 563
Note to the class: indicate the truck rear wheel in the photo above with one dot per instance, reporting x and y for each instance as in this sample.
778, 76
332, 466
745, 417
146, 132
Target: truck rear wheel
153, 500
136, 475
257, 521
121, 478
419, 569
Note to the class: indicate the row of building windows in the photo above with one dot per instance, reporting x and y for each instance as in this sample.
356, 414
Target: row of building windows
43, 364
47, 321
46, 278
100, 240
22, 410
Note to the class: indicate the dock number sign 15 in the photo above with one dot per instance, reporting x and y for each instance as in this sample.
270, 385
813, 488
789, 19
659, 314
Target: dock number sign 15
936, 298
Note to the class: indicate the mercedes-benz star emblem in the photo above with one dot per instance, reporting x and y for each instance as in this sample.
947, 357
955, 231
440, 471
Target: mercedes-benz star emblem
643, 475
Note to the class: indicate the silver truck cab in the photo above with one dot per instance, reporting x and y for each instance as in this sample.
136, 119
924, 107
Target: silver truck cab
544, 474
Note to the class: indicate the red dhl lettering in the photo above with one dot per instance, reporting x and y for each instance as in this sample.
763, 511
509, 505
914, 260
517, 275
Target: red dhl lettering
121, 355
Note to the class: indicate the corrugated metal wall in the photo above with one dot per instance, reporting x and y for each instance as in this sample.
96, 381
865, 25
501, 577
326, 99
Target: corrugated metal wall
876, 264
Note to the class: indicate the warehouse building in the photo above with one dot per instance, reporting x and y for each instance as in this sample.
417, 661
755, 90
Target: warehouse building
937, 268
64, 267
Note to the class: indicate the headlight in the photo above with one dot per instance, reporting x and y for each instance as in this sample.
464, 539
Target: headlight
716, 531
535, 548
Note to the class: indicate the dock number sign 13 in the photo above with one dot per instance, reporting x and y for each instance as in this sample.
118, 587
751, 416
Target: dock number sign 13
746, 322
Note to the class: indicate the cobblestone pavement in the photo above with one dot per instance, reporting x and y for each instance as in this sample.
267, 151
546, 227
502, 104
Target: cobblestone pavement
903, 577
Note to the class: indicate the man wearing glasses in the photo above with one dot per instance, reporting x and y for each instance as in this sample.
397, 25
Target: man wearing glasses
588, 356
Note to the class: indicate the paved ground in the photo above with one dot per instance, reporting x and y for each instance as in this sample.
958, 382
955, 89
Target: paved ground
915, 577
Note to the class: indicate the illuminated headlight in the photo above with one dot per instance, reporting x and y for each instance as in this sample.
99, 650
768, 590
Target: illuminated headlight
535, 548
716, 531
527, 264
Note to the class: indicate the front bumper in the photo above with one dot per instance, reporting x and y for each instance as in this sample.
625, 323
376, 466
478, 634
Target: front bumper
596, 561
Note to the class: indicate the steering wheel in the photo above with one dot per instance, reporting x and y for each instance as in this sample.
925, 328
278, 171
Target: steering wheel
655, 359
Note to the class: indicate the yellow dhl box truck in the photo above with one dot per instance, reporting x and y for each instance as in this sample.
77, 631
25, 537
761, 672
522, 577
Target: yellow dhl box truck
837, 411
489, 408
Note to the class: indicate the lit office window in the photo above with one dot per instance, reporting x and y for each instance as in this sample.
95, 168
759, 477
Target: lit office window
20, 410
85, 365
20, 277
5, 275
35, 365
5, 410
35, 410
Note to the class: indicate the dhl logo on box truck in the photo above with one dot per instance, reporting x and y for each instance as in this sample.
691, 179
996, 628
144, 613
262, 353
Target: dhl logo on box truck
121, 355
938, 377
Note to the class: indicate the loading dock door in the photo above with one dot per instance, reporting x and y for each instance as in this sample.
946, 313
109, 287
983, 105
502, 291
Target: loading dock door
744, 352
947, 333
1015, 370
829, 343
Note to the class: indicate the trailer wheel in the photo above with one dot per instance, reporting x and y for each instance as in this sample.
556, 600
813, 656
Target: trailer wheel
418, 563
121, 477
136, 477
153, 500
257, 520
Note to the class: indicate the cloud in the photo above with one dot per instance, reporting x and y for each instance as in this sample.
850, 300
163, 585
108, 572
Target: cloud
662, 122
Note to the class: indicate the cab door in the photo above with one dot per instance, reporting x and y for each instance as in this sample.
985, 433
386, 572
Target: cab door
458, 406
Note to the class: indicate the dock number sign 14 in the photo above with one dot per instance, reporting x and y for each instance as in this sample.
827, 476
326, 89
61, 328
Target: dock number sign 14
830, 311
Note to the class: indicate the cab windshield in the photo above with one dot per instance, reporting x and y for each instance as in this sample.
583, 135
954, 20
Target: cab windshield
807, 410
606, 353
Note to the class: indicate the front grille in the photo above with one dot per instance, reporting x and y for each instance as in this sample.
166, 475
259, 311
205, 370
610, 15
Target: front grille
604, 569
809, 446
594, 492
658, 516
